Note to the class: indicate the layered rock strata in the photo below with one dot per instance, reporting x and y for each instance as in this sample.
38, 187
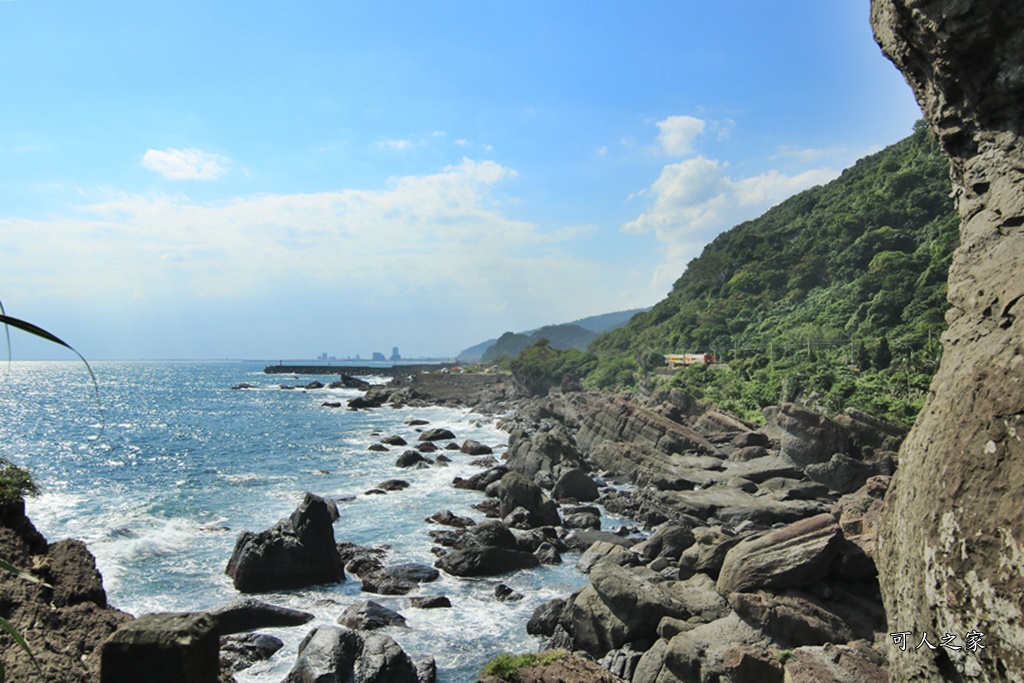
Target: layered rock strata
952, 539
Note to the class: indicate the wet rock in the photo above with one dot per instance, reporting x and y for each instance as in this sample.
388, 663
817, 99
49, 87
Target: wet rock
331, 653
249, 614
545, 618
296, 552
503, 593
368, 615
393, 485
515, 490
449, 518
486, 561
410, 458
430, 602
398, 579
238, 652
436, 434
471, 447
575, 484
394, 440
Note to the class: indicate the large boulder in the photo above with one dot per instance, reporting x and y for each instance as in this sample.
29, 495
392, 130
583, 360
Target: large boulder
575, 484
367, 615
249, 614
950, 549
804, 436
163, 648
617, 607
515, 491
487, 560
296, 552
332, 654
795, 555
542, 456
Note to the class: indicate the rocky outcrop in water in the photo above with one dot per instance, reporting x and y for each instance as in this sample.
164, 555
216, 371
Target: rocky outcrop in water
952, 540
296, 552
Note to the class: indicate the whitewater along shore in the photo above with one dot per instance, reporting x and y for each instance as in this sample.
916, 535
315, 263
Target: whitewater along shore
757, 562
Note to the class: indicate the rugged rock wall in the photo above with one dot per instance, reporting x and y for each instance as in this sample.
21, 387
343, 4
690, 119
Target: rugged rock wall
951, 551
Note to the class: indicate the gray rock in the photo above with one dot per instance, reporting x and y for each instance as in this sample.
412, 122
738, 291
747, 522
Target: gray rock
241, 651
163, 648
545, 618
249, 614
486, 561
515, 490
296, 552
805, 437
368, 615
795, 555
575, 484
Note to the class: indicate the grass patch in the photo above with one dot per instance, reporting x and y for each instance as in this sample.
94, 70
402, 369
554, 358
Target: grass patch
507, 666
15, 483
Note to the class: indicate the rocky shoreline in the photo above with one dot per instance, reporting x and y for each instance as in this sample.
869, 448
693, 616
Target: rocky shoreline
759, 565
756, 563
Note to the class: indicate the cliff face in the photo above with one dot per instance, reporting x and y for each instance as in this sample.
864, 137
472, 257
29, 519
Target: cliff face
951, 552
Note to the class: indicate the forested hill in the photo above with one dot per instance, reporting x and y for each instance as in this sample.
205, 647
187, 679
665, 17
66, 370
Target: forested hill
825, 277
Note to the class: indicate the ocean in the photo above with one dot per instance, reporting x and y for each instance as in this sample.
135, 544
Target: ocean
162, 471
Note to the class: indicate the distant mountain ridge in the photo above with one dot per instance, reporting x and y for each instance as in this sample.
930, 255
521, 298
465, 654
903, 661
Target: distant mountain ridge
573, 335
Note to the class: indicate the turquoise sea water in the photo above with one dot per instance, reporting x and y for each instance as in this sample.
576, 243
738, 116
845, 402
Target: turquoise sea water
162, 473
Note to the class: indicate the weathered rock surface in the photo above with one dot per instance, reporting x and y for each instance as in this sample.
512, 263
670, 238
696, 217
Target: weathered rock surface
163, 648
517, 491
487, 560
65, 626
241, 651
795, 555
569, 668
296, 552
367, 615
952, 541
249, 614
331, 653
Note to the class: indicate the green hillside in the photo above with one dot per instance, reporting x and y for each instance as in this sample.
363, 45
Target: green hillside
835, 296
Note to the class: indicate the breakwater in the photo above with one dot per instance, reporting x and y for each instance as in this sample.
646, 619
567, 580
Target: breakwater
354, 370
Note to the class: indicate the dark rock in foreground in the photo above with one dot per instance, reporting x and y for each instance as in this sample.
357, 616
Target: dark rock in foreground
333, 654
163, 648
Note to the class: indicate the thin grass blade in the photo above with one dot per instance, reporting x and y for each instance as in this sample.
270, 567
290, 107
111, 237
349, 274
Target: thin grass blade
21, 573
20, 640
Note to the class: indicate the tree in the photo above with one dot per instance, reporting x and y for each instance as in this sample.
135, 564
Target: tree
883, 355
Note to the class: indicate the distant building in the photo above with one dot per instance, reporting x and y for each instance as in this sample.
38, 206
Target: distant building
377, 355
394, 353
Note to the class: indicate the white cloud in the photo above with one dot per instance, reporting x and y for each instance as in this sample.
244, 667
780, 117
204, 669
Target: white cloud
693, 201
398, 145
185, 164
434, 241
678, 133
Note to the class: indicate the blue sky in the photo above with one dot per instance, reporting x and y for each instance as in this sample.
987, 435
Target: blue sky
276, 180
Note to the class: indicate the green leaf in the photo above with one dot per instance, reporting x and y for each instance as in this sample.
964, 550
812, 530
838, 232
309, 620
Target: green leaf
35, 330
21, 573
